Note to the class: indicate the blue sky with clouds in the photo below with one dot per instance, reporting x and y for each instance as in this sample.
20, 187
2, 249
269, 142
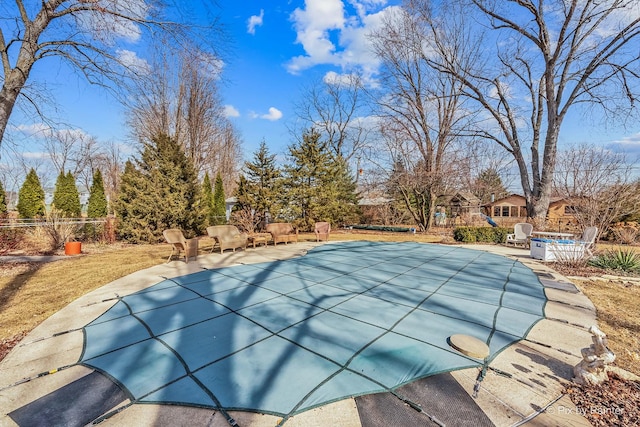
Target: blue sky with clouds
277, 47
280, 46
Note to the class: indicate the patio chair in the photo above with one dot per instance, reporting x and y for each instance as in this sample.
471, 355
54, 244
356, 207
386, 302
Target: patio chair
521, 234
322, 230
178, 243
588, 239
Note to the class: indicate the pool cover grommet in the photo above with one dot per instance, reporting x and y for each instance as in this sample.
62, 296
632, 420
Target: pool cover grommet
469, 346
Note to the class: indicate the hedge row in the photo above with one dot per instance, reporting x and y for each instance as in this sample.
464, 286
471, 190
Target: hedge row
481, 234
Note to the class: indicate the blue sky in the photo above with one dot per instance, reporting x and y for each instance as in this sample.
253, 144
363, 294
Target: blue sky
277, 48
280, 47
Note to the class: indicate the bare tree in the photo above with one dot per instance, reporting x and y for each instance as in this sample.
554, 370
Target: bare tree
71, 150
180, 98
538, 61
598, 185
111, 165
422, 116
85, 33
337, 108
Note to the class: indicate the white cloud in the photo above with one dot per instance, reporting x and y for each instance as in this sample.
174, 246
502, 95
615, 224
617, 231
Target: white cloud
231, 111
43, 131
629, 145
40, 130
273, 114
35, 155
132, 61
255, 21
112, 25
330, 35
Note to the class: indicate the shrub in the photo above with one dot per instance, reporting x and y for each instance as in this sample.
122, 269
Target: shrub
626, 235
59, 229
480, 234
464, 235
10, 239
619, 259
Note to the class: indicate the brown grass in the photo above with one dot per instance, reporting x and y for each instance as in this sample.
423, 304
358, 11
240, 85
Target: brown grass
31, 293
617, 305
38, 290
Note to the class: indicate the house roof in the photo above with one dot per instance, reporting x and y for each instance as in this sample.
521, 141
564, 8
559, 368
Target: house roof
466, 196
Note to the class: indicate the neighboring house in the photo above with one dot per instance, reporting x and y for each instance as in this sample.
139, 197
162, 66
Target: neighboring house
464, 203
513, 208
376, 208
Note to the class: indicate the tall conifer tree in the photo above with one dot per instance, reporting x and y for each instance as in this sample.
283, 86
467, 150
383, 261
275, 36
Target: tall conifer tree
219, 203
317, 186
263, 184
3, 202
207, 200
31, 197
66, 198
97, 206
159, 191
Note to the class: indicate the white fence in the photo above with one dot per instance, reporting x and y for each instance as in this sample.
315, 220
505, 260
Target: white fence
23, 222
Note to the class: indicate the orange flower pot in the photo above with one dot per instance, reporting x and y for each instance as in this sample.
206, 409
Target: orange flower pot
72, 248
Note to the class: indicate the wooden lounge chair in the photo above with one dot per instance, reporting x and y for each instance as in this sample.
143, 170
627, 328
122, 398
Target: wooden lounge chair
178, 243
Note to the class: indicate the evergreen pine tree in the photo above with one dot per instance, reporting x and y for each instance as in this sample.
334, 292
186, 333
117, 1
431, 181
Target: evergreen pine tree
339, 199
263, 184
158, 192
244, 198
97, 204
207, 200
58, 198
31, 197
317, 186
65, 196
487, 183
3, 202
75, 208
219, 203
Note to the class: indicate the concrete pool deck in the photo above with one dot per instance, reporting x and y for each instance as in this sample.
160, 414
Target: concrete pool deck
538, 366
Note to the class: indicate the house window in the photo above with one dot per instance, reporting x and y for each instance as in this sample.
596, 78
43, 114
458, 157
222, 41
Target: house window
496, 211
505, 211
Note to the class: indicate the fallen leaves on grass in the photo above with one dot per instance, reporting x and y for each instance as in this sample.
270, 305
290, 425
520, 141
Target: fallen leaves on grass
8, 343
614, 403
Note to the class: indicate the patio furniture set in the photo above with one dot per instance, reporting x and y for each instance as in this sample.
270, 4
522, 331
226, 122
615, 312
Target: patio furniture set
553, 246
230, 237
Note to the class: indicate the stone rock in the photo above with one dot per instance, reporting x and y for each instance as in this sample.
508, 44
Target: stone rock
592, 370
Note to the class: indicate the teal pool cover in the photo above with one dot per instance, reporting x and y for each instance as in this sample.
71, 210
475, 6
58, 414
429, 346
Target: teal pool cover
282, 337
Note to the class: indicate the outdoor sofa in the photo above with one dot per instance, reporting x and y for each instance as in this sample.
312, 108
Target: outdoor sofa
282, 232
227, 237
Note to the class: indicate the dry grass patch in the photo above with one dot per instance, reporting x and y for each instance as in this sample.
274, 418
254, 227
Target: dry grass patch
37, 291
617, 305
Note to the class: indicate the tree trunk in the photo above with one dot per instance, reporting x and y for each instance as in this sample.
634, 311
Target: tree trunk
8, 97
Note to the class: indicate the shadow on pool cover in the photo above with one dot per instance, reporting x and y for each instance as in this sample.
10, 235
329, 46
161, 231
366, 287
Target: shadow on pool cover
282, 337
